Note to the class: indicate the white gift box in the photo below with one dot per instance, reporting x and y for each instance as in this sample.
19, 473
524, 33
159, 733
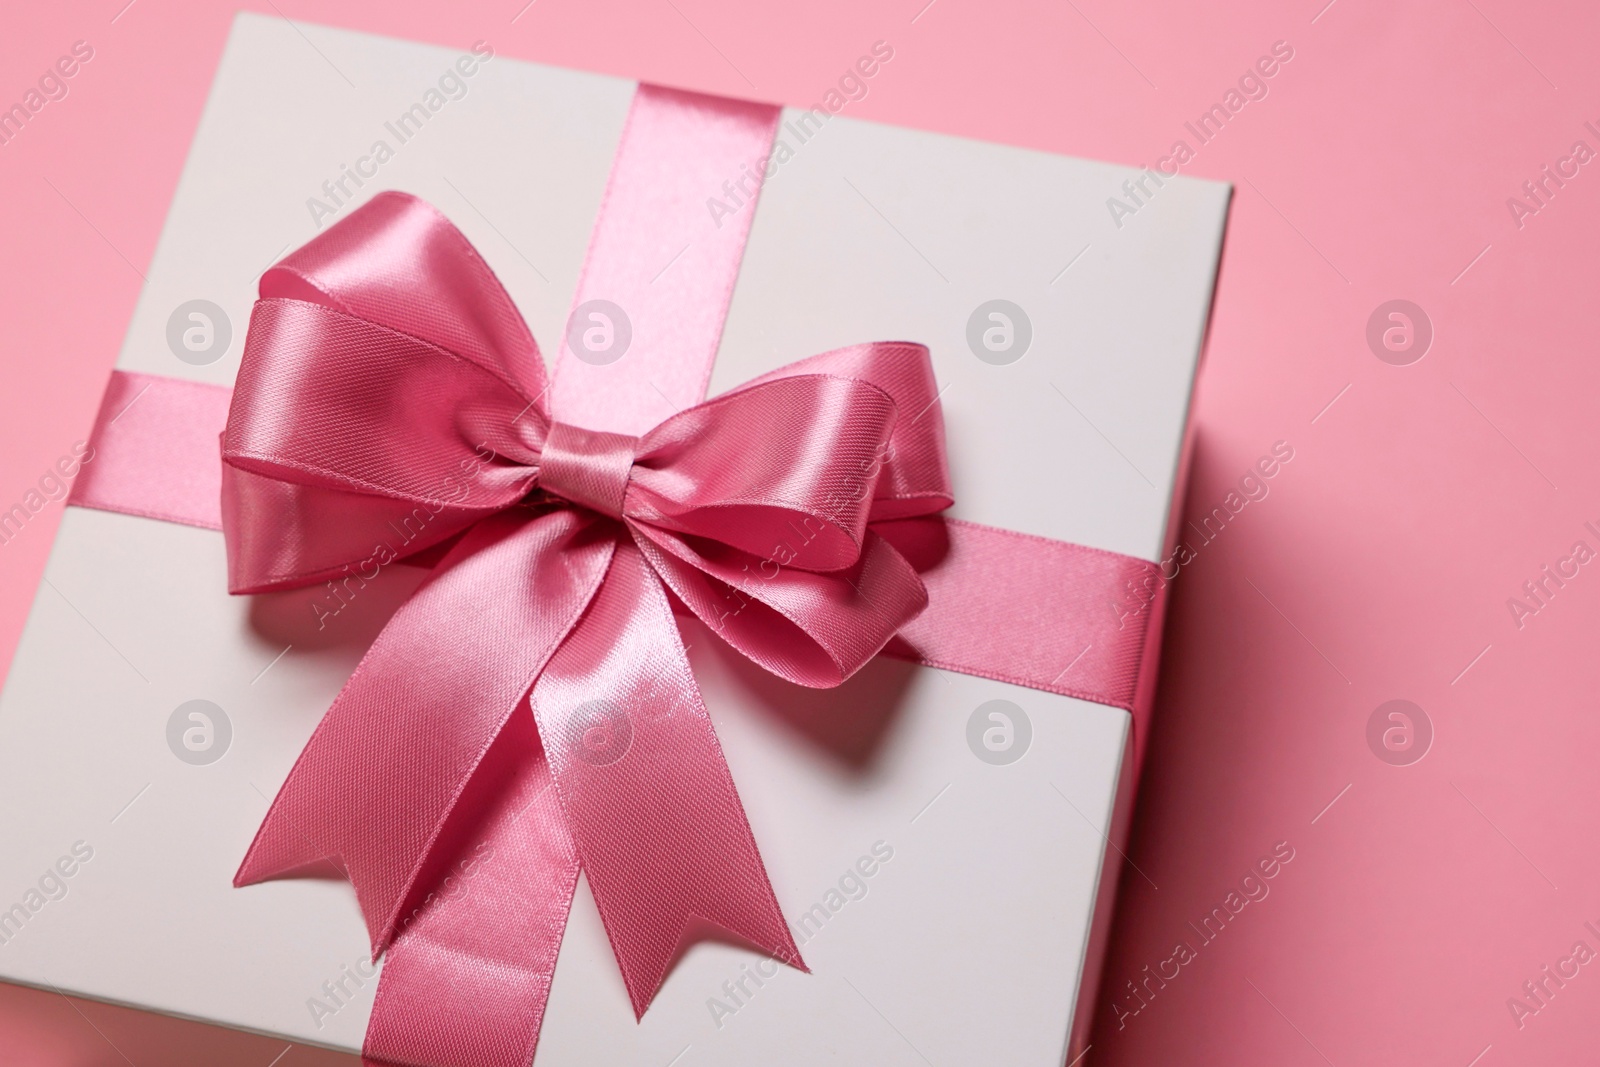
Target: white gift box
951, 899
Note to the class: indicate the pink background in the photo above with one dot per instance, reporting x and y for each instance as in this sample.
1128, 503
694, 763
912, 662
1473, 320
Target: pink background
1379, 566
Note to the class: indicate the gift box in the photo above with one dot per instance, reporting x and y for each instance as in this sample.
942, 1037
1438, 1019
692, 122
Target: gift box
942, 833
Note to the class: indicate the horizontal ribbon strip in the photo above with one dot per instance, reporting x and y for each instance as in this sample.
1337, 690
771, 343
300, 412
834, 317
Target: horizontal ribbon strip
1003, 605
155, 442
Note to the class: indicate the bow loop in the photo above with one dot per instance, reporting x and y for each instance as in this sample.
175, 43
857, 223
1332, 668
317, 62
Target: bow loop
390, 396
913, 474
348, 439
813, 629
786, 471
396, 260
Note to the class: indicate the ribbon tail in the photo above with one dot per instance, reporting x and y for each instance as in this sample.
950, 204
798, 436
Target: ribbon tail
466, 981
648, 795
381, 780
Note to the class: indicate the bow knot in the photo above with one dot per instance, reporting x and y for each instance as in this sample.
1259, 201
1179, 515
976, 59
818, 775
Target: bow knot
590, 468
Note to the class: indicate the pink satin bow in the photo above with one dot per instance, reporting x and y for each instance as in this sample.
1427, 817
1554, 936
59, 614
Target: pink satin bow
391, 403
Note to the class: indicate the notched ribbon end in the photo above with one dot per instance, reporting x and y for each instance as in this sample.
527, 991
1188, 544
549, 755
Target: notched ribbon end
698, 929
257, 868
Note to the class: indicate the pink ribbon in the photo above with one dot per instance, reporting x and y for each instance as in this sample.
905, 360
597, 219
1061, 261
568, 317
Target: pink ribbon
530, 709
